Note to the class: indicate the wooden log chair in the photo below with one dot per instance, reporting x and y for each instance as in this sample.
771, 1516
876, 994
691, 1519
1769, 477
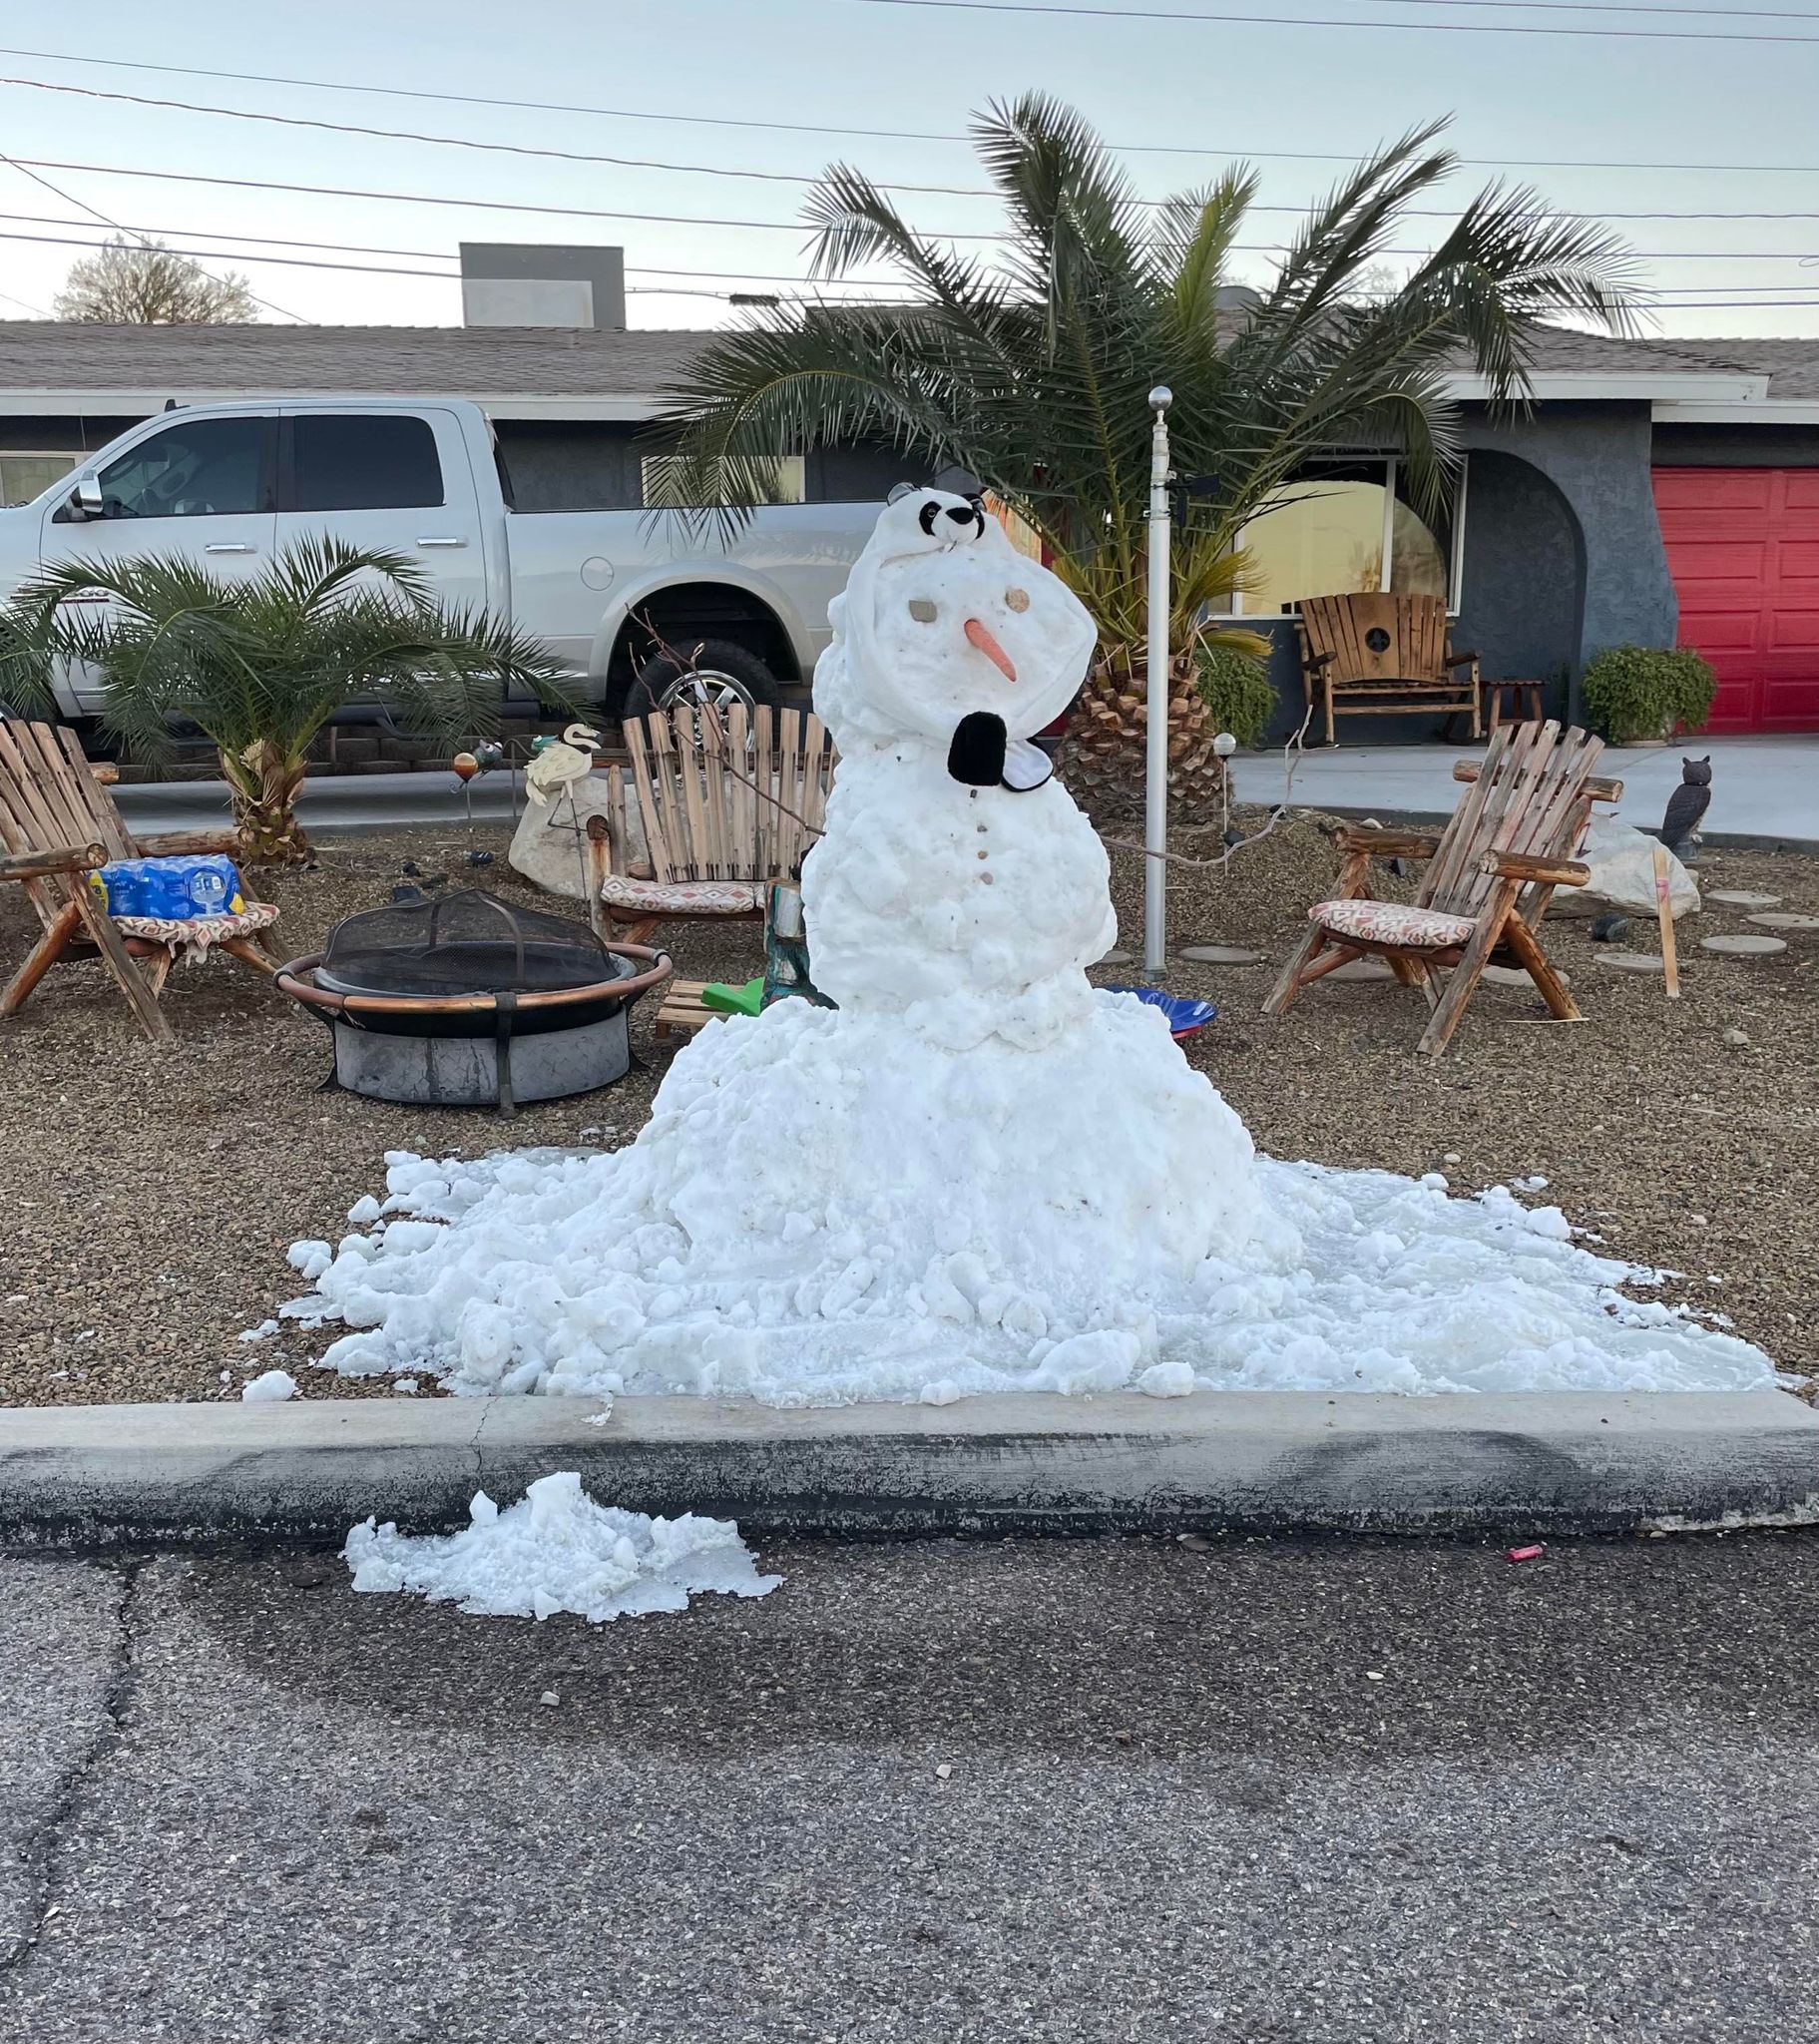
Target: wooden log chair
1384, 655
729, 800
58, 823
1490, 875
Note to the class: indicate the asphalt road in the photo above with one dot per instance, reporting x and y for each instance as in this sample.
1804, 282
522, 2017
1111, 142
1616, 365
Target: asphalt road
240, 1803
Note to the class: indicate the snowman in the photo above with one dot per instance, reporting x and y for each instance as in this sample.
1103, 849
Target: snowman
957, 885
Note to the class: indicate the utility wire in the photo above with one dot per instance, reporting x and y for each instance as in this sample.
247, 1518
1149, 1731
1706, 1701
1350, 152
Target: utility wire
70, 199
1419, 28
785, 227
885, 134
803, 178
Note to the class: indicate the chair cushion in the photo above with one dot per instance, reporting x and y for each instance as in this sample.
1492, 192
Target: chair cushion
197, 932
681, 897
1392, 922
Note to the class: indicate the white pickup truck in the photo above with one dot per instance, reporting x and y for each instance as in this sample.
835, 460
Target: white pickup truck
232, 485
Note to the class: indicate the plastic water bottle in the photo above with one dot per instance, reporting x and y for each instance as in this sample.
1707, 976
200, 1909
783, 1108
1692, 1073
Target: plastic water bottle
214, 885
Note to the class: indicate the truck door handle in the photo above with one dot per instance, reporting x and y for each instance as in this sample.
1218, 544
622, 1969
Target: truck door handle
442, 542
229, 546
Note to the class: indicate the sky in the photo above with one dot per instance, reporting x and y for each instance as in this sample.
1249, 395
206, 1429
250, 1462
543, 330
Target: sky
1715, 122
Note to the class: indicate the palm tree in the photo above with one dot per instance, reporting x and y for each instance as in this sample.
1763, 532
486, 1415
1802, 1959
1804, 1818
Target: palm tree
1030, 371
259, 665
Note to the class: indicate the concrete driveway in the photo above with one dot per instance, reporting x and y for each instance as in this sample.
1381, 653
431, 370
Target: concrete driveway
1269, 1792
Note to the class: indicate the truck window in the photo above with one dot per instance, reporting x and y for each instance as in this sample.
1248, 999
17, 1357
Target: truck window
199, 469
362, 461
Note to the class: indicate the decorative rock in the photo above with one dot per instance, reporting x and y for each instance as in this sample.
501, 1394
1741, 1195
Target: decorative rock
1609, 929
1742, 897
1629, 961
1452, 1157
1363, 968
1221, 955
1786, 920
1513, 975
1735, 1036
1743, 945
546, 847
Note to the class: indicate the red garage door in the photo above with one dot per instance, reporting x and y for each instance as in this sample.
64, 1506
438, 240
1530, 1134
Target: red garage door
1743, 549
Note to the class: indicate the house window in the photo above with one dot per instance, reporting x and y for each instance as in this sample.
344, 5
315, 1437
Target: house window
1348, 527
25, 474
788, 478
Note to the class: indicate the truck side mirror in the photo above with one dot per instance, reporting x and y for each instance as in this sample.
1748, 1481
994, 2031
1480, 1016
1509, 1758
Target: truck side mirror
86, 499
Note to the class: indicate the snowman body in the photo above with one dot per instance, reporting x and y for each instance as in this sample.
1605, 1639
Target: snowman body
969, 909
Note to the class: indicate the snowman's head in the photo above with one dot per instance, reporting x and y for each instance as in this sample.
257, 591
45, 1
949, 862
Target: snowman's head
943, 616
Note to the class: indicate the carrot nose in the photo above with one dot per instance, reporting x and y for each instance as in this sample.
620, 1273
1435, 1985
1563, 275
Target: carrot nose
976, 635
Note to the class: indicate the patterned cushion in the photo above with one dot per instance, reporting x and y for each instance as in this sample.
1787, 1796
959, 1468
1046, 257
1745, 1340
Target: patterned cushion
197, 932
1392, 922
681, 897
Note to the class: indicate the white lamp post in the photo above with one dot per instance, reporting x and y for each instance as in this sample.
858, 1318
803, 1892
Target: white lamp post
1155, 760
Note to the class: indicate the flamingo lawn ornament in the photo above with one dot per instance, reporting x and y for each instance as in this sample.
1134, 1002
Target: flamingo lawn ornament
560, 764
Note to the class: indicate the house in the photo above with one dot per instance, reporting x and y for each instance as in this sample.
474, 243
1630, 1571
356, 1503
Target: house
1656, 492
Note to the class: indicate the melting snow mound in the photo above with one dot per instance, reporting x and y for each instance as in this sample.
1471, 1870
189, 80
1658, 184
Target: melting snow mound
557, 1550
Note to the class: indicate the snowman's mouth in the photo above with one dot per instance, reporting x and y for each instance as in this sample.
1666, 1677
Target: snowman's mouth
977, 636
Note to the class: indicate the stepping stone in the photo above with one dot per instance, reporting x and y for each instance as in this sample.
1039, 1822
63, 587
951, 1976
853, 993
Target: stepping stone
1221, 955
1785, 920
1362, 968
1741, 897
1513, 975
1629, 961
1744, 946
1115, 958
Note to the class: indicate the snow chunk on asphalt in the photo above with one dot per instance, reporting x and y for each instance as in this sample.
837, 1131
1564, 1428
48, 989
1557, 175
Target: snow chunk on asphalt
267, 1390
557, 1550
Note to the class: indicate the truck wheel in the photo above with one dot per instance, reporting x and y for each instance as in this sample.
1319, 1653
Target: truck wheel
714, 672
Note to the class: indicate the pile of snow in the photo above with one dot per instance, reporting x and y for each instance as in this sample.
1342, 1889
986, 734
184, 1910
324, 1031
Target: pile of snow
542, 1272
557, 1550
270, 1388
978, 1173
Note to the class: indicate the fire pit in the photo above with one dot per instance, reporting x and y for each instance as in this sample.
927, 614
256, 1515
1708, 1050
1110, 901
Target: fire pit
468, 1001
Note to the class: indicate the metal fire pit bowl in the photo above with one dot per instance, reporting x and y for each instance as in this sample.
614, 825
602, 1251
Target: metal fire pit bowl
468, 1001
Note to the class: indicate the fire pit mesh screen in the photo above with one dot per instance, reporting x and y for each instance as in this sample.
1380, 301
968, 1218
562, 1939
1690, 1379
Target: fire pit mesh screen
467, 942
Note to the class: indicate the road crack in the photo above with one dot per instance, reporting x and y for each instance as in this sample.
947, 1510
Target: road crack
40, 1853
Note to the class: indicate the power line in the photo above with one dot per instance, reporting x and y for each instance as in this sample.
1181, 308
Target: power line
566, 155
70, 199
1451, 28
901, 134
796, 228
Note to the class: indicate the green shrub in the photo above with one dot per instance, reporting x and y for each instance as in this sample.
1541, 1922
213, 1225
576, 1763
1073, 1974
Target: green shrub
1644, 691
1236, 688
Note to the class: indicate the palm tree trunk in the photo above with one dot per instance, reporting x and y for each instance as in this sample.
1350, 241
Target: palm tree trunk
265, 784
1102, 758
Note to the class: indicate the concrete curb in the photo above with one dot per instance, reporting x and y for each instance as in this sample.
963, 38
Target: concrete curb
108, 1474
1392, 818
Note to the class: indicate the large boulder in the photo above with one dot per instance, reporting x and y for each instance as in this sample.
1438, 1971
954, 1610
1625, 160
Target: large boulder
1622, 859
549, 846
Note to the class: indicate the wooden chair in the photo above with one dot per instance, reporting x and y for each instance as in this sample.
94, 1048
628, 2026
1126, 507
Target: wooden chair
729, 800
1490, 875
57, 824
1386, 655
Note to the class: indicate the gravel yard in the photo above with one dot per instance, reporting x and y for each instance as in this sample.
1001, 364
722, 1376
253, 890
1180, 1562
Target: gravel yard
151, 1193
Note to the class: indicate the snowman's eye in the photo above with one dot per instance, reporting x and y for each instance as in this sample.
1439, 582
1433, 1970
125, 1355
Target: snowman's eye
1017, 599
922, 610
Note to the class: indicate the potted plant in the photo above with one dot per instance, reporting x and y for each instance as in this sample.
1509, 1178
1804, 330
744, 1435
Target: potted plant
1235, 687
1643, 695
